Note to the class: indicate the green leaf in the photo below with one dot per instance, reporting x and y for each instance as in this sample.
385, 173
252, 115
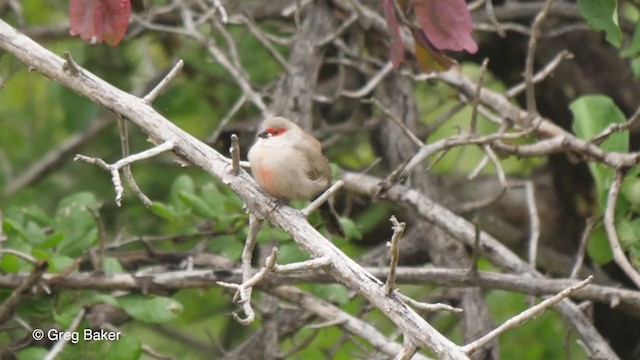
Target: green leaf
112, 266
198, 205
335, 293
34, 234
598, 247
350, 229
602, 15
65, 316
59, 263
9, 263
11, 226
104, 298
77, 224
214, 199
629, 233
635, 67
36, 213
227, 245
182, 184
290, 252
372, 216
166, 212
634, 47
32, 353
151, 310
125, 348
631, 189
592, 114
268, 234
41, 255
51, 241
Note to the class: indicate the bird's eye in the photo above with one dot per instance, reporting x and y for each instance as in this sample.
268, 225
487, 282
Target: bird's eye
276, 132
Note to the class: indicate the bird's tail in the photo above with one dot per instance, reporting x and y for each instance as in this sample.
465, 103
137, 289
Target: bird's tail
331, 220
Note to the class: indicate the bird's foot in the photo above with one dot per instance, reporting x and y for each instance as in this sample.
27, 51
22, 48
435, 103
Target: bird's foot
276, 204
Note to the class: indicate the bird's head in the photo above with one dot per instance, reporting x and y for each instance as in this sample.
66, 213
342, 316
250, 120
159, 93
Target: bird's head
276, 127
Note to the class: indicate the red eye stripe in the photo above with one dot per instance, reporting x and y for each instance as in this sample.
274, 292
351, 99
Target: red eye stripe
276, 131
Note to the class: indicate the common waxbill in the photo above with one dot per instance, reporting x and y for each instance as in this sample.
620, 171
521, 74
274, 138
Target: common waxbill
288, 163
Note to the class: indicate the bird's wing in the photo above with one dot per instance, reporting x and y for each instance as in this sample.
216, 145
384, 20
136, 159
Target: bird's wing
318, 164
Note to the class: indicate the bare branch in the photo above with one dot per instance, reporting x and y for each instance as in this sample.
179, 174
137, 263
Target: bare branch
162, 85
523, 317
235, 154
243, 291
394, 249
534, 222
8, 307
114, 168
586, 233
60, 344
528, 68
609, 224
315, 204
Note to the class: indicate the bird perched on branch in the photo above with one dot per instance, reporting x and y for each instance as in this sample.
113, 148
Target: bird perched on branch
288, 163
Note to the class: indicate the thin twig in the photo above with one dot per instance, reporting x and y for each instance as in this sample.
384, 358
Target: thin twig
227, 117
617, 127
475, 255
523, 317
476, 99
335, 34
258, 34
528, 69
20, 254
235, 154
371, 84
223, 13
128, 175
395, 119
534, 222
478, 169
162, 85
60, 344
70, 64
113, 168
98, 264
312, 264
8, 307
408, 350
609, 224
492, 17
426, 307
394, 250
243, 291
540, 75
586, 233
315, 204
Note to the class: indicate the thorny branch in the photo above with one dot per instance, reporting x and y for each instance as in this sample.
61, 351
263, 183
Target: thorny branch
550, 139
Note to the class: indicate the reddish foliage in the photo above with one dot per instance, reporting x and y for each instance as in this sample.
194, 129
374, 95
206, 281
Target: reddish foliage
99, 20
429, 59
397, 50
446, 23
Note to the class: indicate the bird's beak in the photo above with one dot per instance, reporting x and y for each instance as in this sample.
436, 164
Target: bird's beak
264, 135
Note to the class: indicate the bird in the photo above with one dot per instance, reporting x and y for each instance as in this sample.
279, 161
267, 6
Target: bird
288, 163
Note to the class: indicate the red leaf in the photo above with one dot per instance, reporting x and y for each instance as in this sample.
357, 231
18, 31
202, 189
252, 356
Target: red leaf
99, 20
446, 23
430, 59
396, 52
